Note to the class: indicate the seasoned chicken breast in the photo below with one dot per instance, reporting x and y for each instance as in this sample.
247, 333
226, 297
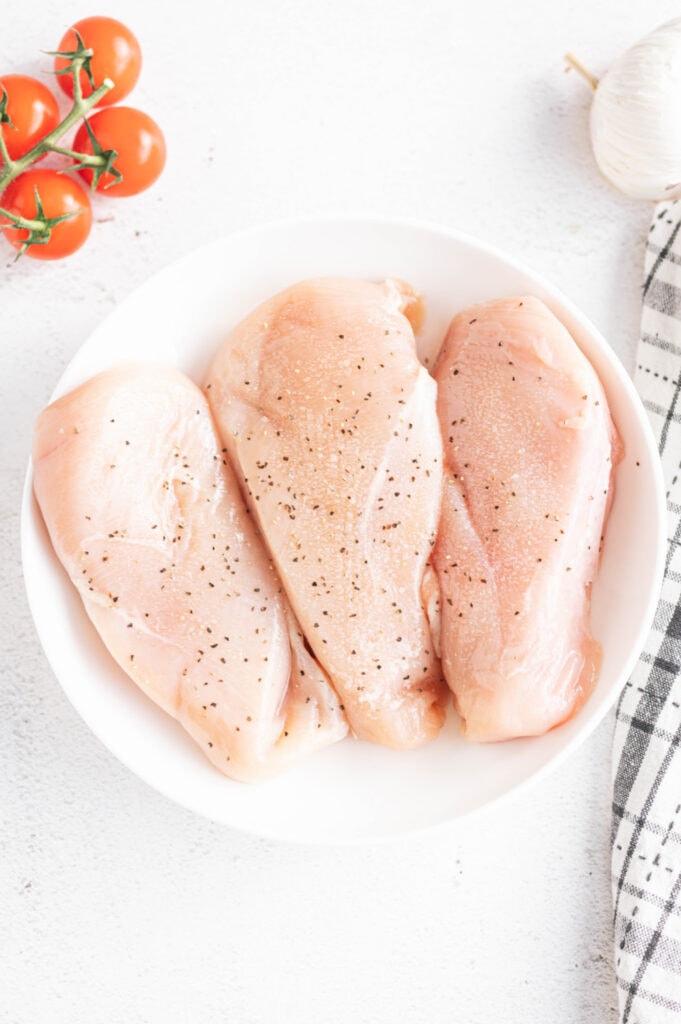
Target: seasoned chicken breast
324, 407
146, 516
529, 454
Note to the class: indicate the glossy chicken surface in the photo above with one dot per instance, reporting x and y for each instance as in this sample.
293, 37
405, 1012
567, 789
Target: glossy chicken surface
323, 405
529, 453
146, 516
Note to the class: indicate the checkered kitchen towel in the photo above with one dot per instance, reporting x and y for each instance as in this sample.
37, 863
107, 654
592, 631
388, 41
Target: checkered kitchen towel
646, 845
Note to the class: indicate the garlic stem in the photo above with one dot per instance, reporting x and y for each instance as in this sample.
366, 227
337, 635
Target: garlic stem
572, 62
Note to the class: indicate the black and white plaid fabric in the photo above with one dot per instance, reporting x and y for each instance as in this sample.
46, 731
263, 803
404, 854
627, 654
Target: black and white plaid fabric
646, 844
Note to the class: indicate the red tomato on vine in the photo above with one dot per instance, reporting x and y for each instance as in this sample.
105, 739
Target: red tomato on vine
116, 55
46, 194
138, 143
33, 112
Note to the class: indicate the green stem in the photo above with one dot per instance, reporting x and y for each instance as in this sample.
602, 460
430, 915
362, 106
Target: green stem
11, 169
85, 159
6, 162
77, 86
22, 222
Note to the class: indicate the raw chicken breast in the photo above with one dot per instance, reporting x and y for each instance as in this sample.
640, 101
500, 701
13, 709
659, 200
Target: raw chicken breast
146, 516
322, 403
529, 454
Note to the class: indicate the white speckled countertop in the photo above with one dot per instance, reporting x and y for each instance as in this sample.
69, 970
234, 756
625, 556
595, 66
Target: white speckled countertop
119, 907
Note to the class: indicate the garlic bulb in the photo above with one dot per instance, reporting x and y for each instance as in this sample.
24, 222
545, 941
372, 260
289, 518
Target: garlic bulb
636, 117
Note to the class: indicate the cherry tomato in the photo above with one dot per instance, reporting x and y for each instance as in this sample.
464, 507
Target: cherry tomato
32, 109
117, 56
59, 195
137, 139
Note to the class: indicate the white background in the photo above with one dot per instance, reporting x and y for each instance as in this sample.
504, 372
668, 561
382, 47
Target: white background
116, 906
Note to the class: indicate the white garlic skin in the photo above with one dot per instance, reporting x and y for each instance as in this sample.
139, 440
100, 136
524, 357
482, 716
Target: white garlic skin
636, 117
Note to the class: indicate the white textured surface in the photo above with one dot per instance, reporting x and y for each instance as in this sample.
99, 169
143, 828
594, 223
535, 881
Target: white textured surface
119, 907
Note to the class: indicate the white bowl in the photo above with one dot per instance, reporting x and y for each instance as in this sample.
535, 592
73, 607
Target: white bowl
353, 791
